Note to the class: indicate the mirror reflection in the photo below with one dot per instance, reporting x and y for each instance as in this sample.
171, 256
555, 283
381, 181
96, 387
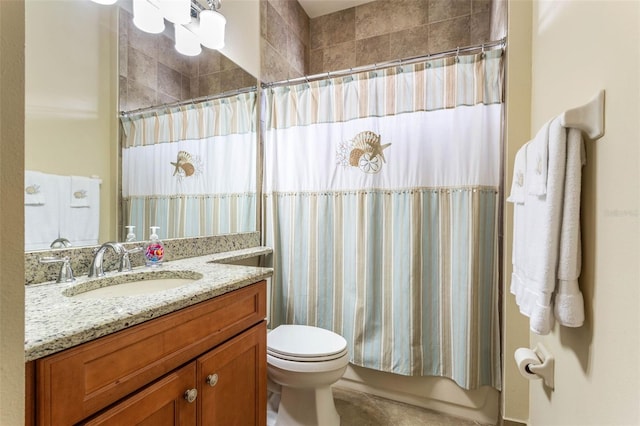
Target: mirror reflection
84, 64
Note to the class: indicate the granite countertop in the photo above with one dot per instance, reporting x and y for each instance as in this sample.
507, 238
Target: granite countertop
55, 322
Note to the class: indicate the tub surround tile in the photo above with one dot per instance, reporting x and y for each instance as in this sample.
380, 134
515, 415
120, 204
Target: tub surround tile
447, 35
277, 30
333, 29
139, 96
209, 83
339, 57
55, 322
480, 6
384, 16
480, 27
296, 53
440, 10
373, 50
299, 21
386, 30
209, 62
275, 66
152, 63
169, 81
142, 68
408, 43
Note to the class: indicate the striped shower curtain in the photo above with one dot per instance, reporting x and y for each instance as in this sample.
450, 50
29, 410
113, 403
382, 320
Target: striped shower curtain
381, 205
191, 170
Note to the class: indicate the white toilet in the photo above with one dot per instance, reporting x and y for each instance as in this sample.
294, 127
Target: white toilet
304, 362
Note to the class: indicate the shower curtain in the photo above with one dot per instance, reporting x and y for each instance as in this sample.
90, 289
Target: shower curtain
381, 205
191, 170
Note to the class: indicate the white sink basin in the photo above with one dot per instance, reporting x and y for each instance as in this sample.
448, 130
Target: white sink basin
132, 284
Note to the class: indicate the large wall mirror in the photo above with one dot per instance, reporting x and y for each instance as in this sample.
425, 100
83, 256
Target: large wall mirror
85, 63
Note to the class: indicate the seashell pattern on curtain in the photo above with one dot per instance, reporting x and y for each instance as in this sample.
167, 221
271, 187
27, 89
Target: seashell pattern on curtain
381, 203
191, 170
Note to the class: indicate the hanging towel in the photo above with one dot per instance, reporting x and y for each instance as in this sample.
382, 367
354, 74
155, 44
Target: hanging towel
537, 162
518, 192
538, 224
80, 191
81, 225
34, 188
569, 303
42, 222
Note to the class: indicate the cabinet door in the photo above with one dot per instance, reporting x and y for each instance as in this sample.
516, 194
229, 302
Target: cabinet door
164, 403
233, 379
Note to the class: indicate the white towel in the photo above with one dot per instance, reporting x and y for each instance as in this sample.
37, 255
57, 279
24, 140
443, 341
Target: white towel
518, 192
538, 224
538, 162
80, 191
42, 222
34, 188
569, 303
81, 226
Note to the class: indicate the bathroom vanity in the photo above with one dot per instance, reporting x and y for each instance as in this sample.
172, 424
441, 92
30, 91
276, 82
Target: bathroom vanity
201, 359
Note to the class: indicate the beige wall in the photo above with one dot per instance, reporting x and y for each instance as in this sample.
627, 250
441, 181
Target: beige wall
242, 35
11, 218
71, 96
515, 390
578, 48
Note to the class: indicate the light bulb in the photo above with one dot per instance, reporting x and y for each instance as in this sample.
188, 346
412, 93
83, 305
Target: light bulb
187, 41
212, 25
176, 11
147, 17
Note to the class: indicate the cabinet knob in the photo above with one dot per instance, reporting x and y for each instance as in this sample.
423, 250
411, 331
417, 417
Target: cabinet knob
212, 379
191, 395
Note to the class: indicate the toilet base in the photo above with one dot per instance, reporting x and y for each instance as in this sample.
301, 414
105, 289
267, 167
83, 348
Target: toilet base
307, 407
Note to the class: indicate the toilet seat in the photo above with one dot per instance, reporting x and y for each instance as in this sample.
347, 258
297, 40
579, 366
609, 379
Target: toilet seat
302, 343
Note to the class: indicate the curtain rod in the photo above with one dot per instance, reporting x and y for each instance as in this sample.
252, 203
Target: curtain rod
388, 64
188, 102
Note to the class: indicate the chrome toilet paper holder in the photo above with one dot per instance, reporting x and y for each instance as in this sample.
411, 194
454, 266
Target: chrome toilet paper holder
545, 369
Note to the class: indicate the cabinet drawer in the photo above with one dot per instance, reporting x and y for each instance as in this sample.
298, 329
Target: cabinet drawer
80, 381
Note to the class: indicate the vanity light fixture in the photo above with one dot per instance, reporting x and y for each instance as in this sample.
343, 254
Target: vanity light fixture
195, 25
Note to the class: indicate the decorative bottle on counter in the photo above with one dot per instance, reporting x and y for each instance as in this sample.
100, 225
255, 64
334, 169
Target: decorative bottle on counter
130, 235
154, 251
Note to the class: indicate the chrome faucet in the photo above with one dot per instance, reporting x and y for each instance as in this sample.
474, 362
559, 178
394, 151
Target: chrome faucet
96, 268
60, 242
66, 273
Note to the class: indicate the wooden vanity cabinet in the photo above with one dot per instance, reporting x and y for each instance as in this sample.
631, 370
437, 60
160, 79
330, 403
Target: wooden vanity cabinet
142, 375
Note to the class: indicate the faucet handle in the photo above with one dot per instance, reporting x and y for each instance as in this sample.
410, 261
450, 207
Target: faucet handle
125, 261
66, 273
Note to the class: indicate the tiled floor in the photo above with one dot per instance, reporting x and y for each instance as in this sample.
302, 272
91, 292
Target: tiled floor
362, 409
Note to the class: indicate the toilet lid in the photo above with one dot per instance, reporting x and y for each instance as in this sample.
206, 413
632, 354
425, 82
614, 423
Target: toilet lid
302, 341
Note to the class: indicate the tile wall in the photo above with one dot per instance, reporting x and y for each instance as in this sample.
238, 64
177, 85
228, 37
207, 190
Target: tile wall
374, 32
284, 38
152, 72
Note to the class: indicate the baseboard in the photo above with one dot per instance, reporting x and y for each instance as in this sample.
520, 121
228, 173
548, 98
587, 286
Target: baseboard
435, 393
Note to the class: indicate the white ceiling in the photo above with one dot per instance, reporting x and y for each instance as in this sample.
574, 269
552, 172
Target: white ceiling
316, 8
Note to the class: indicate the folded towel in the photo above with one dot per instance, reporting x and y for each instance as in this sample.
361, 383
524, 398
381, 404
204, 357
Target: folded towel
537, 233
537, 162
569, 303
34, 184
80, 191
42, 222
517, 194
81, 226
